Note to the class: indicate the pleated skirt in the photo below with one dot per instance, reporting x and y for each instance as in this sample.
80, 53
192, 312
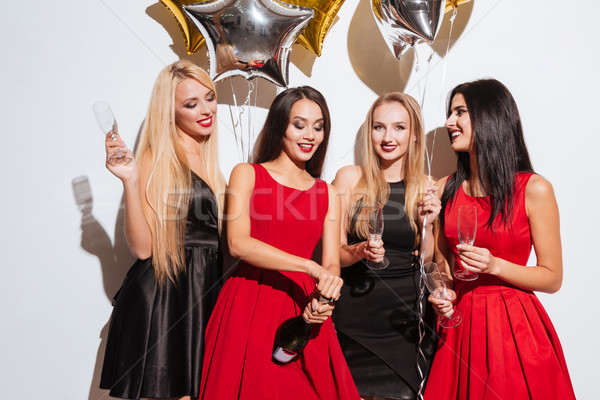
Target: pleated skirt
505, 348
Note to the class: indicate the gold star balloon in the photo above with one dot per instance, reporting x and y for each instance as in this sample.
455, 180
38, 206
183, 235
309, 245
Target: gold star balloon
325, 12
452, 4
193, 38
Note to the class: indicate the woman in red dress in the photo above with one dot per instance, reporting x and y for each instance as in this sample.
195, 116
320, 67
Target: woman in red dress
506, 346
277, 211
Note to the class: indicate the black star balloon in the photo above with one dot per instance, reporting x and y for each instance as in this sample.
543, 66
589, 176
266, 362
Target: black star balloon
249, 37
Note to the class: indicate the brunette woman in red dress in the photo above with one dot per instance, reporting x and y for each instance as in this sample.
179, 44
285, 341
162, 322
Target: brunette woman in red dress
506, 346
277, 211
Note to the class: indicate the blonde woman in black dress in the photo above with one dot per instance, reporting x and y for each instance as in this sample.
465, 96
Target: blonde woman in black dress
377, 315
155, 341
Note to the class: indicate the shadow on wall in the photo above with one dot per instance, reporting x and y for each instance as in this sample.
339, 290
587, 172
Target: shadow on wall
440, 44
370, 57
115, 259
443, 160
375, 64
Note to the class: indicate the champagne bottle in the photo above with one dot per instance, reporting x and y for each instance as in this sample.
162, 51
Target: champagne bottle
292, 337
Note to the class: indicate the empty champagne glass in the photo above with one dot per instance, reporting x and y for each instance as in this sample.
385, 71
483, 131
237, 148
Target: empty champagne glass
467, 228
107, 123
437, 287
373, 213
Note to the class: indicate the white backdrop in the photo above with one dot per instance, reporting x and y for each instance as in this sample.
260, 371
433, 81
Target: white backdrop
61, 264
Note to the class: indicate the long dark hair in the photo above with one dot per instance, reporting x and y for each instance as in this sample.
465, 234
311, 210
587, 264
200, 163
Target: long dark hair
499, 145
270, 143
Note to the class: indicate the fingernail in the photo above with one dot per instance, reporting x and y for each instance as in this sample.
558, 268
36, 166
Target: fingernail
458, 246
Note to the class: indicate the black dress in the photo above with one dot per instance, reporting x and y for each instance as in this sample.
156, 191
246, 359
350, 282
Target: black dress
155, 342
376, 317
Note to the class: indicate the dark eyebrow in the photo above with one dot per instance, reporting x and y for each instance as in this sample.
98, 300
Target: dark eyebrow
304, 119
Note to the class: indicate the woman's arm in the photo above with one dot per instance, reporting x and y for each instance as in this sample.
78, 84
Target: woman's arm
256, 252
345, 183
317, 311
443, 258
137, 231
330, 239
544, 224
429, 207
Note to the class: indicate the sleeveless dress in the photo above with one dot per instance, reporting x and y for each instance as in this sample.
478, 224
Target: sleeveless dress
506, 346
377, 315
254, 302
155, 339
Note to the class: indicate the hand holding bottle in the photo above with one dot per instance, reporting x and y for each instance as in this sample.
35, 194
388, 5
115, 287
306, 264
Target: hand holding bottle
293, 335
329, 285
318, 309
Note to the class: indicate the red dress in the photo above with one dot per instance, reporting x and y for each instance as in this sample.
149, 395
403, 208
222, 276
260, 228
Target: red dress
254, 302
506, 346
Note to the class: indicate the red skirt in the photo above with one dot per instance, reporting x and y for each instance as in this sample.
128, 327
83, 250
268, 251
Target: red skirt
505, 348
239, 343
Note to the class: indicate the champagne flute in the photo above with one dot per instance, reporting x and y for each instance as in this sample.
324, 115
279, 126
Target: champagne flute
467, 228
373, 213
107, 123
437, 287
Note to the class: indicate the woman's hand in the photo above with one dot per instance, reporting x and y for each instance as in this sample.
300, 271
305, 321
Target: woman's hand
317, 311
124, 172
443, 307
373, 250
429, 205
478, 259
329, 285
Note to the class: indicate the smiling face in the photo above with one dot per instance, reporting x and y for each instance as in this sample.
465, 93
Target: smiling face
391, 131
195, 109
304, 132
459, 125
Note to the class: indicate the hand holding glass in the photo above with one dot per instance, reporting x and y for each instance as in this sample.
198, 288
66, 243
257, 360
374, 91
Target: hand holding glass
437, 287
467, 228
107, 123
373, 213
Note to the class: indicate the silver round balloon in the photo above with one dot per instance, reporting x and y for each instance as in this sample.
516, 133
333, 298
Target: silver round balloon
403, 22
249, 37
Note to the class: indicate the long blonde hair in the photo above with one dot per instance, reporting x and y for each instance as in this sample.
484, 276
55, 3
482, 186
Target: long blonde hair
372, 185
169, 182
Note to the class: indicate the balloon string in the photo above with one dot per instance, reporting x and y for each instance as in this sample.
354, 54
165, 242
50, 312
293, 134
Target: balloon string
421, 359
250, 130
235, 122
429, 157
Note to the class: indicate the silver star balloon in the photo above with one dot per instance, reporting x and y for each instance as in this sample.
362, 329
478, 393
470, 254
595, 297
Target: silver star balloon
249, 37
403, 22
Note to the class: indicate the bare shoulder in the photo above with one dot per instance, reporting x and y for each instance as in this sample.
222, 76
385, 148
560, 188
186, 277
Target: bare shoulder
243, 169
347, 177
539, 189
242, 174
441, 183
